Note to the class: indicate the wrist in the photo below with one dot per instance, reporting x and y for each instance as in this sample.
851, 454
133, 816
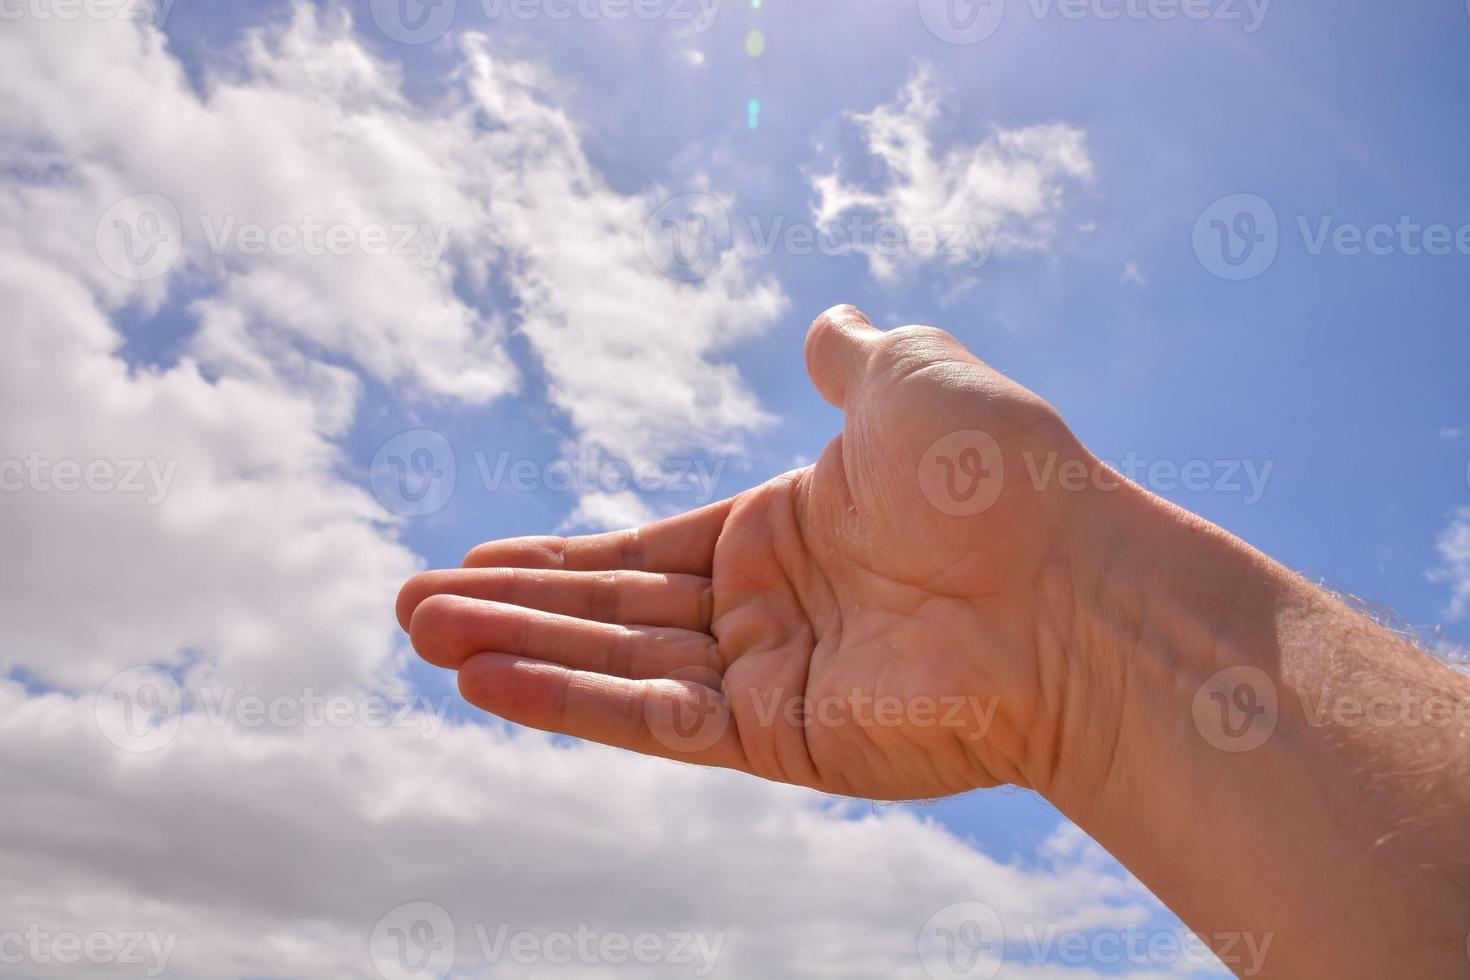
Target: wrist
1201, 746
1162, 602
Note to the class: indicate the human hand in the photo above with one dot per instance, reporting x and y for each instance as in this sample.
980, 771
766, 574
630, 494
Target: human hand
897, 621
957, 594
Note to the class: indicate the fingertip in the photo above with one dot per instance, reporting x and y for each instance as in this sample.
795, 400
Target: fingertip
836, 350
430, 628
410, 594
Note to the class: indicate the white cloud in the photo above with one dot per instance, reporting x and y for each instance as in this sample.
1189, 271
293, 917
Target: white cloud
630, 353
1454, 550
252, 559
252, 149
275, 853
496, 175
1002, 194
606, 510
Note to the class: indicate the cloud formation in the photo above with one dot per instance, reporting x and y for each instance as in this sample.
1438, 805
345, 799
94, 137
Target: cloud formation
1454, 550
958, 206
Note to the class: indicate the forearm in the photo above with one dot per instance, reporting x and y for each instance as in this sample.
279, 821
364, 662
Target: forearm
1315, 796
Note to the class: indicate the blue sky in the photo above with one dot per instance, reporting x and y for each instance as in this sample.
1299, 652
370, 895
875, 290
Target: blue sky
1336, 378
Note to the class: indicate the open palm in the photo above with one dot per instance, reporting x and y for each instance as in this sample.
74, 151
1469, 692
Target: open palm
892, 622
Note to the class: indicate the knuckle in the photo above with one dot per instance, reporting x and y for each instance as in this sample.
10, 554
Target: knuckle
606, 598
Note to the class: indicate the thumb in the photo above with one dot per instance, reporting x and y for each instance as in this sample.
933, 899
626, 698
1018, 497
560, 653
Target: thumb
837, 349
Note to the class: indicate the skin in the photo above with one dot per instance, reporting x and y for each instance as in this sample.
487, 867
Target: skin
959, 595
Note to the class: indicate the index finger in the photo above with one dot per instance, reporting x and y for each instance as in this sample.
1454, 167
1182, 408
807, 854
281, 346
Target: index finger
684, 544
